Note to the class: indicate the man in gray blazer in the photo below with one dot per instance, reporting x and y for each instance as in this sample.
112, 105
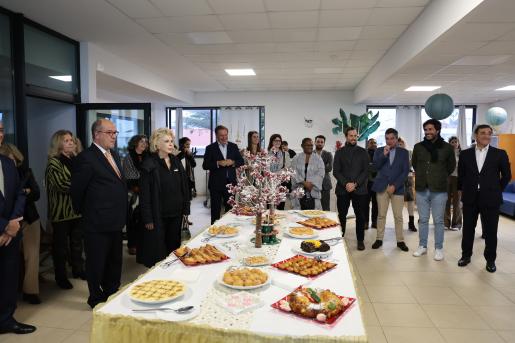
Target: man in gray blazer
327, 157
392, 164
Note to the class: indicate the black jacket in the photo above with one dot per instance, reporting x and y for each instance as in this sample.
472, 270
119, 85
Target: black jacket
12, 202
219, 177
152, 247
97, 191
492, 179
351, 165
30, 215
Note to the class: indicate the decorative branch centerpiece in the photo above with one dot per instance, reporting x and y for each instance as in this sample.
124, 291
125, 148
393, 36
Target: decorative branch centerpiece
259, 189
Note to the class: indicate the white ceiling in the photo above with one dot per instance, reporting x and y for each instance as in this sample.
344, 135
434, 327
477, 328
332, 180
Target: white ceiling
291, 44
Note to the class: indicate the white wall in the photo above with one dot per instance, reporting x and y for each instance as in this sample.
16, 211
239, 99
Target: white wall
285, 111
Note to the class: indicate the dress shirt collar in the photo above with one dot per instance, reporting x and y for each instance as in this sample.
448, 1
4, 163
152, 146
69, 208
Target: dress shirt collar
101, 149
485, 149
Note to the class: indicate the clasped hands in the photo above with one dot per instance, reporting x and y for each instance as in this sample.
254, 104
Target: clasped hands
225, 163
350, 187
10, 231
308, 185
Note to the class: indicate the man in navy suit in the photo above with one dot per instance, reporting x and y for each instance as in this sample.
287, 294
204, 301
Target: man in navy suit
221, 159
12, 205
483, 173
392, 164
99, 193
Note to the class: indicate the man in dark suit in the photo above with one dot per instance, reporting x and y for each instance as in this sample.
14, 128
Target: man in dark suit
221, 159
483, 173
351, 172
392, 164
99, 193
327, 185
12, 204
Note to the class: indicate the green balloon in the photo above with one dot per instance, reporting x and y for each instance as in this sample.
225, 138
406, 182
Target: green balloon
439, 106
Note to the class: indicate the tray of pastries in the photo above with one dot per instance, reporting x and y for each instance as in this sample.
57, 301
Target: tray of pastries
301, 232
157, 291
319, 223
256, 260
223, 231
202, 255
312, 213
304, 266
244, 278
321, 305
245, 211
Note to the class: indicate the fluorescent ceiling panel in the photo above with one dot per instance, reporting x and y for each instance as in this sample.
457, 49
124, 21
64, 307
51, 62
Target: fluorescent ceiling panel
240, 72
422, 88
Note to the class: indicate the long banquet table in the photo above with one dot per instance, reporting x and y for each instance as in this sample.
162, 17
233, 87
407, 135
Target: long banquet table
114, 320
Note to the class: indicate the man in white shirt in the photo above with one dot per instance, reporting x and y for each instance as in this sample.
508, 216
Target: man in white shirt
483, 173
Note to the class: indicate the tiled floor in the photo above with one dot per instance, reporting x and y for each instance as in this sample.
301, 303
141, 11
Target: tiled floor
404, 299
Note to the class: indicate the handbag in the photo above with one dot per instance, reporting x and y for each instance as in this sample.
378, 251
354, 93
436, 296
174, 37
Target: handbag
185, 229
307, 202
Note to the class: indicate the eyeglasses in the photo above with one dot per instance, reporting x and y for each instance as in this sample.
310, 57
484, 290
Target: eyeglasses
110, 133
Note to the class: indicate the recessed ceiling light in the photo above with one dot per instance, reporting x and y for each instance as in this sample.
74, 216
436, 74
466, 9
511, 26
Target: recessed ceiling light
507, 88
421, 88
240, 72
209, 37
64, 78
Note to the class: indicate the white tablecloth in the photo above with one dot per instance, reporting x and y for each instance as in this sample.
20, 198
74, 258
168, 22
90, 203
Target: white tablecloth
202, 286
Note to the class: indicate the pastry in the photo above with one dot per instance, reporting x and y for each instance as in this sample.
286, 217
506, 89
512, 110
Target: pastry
319, 223
304, 266
301, 231
245, 277
202, 255
314, 245
222, 230
312, 212
157, 290
258, 260
315, 303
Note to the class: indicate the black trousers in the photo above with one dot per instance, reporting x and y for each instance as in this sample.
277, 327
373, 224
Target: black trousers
489, 222
9, 274
103, 264
172, 230
325, 201
67, 237
217, 196
134, 227
359, 204
371, 197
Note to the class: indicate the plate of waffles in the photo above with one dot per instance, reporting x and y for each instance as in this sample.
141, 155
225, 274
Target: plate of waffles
301, 232
223, 231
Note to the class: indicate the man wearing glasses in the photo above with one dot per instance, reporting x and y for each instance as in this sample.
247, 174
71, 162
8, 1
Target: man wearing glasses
99, 193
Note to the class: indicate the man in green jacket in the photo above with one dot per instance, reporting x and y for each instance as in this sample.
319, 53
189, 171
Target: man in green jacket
433, 161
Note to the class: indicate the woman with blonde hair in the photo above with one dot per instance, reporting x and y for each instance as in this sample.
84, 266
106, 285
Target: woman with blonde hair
30, 226
164, 199
65, 222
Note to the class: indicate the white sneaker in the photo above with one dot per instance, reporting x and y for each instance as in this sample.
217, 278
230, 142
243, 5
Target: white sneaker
438, 254
454, 228
420, 251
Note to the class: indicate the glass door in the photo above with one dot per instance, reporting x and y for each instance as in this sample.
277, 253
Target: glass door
130, 119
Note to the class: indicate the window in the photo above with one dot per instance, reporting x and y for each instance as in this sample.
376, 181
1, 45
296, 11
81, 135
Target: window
198, 124
6, 81
50, 62
387, 118
450, 124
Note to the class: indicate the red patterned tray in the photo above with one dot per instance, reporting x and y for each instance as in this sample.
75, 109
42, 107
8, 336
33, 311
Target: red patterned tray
330, 321
223, 258
277, 265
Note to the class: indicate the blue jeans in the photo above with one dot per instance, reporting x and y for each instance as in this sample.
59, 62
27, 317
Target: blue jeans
431, 202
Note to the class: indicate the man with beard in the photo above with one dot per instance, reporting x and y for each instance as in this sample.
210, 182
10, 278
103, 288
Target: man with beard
433, 161
351, 172
327, 157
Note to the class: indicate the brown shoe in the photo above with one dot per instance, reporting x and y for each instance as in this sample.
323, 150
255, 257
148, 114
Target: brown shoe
132, 251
